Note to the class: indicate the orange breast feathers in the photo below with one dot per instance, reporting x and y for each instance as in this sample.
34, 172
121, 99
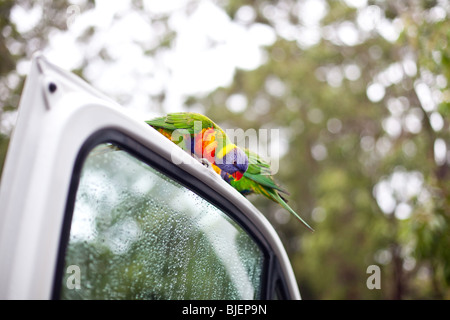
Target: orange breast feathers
205, 144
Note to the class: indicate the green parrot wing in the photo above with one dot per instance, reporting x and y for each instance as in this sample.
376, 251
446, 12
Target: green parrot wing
184, 120
160, 123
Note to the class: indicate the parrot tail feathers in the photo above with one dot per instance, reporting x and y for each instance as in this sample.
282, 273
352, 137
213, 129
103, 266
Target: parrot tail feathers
283, 203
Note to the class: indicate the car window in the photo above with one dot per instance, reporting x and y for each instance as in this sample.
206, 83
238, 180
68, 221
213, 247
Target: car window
138, 234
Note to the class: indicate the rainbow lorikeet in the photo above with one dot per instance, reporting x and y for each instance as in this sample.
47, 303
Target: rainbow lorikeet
245, 170
203, 139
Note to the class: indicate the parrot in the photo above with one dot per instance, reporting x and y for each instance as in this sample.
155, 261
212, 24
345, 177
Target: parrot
243, 169
205, 140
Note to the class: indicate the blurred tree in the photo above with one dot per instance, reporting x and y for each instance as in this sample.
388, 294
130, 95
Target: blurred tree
364, 106
360, 93
17, 45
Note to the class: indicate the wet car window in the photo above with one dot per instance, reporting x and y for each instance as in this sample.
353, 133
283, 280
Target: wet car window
138, 234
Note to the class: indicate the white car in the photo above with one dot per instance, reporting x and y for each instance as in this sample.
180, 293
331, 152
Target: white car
95, 204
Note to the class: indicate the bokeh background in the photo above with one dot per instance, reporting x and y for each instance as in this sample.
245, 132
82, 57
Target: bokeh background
358, 89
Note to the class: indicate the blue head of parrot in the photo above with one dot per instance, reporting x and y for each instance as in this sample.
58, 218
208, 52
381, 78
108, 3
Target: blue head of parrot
234, 162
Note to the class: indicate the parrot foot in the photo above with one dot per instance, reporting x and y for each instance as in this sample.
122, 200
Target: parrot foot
206, 163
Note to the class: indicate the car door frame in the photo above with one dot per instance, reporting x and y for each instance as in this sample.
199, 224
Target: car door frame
61, 118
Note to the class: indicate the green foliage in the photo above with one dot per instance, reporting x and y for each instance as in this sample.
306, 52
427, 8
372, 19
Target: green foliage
336, 188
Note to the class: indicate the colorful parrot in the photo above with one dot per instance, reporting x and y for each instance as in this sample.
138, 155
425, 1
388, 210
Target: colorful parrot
203, 139
244, 170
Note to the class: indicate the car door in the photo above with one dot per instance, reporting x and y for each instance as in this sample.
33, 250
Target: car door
95, 204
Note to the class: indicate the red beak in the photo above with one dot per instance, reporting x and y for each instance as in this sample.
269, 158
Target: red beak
237, 175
